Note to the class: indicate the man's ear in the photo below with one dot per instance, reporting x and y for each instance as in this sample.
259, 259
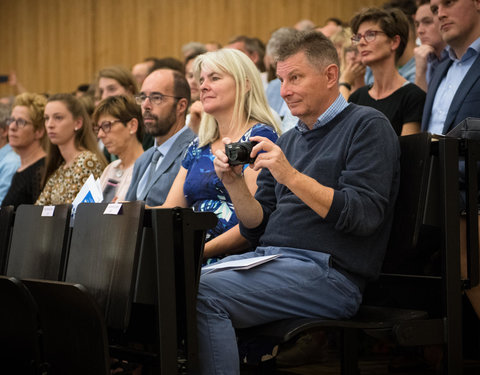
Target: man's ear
182, 105
477, 4
331, 72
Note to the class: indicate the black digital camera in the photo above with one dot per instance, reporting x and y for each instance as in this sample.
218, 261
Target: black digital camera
239, 152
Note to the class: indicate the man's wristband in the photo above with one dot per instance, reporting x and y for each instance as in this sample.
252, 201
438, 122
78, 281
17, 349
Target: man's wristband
347, 85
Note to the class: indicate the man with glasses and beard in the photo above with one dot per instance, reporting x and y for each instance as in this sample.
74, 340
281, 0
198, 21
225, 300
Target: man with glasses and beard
164, 98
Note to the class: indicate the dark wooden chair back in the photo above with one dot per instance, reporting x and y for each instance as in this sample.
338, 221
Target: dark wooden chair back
103, 257
179, 242
427, 200
39, 243
75, 337
169, 268
20, 350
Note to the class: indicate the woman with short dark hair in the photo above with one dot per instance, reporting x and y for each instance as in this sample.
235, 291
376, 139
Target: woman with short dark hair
381, 36
118, 122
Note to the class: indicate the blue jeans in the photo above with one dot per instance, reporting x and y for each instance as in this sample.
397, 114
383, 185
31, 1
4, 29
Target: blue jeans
300, 283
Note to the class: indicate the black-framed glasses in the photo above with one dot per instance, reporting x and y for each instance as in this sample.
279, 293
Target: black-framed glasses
369, 36
21, 123
105, 126
155, 98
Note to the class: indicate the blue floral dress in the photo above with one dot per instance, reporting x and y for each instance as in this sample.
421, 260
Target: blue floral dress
203, 189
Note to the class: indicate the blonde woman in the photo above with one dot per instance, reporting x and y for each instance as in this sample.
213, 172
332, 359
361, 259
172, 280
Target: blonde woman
72, 154
27, 137
235, 107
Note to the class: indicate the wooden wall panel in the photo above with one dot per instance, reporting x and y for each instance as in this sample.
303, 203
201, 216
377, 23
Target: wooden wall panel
54, 45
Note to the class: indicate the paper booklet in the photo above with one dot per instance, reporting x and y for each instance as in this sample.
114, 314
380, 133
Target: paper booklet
91, 192
240, 264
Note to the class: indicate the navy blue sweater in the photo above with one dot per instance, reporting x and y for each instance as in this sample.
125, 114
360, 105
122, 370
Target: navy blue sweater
357, 154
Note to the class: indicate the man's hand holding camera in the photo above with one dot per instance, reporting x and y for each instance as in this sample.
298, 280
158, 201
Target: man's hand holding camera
259, 152
268, 155
273, 159
264, 154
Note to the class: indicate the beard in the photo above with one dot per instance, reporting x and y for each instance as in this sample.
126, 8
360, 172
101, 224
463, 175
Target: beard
160, 126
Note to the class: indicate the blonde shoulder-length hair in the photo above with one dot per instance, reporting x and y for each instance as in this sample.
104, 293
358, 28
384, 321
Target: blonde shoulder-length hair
250, 100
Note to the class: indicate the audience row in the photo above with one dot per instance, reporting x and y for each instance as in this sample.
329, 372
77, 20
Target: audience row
340, 94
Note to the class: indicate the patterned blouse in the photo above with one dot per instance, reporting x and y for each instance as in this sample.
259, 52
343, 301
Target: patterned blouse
203, 189
65, 183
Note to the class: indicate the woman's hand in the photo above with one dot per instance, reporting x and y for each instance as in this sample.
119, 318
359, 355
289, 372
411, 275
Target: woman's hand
352, 71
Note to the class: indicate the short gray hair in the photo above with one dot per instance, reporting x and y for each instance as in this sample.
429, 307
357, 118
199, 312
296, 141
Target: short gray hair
318, 49
279, 37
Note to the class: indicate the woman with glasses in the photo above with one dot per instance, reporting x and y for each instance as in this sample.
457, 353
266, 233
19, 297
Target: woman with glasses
118, 122
381, 36
112, 81
72, 154
27, 137
235, 107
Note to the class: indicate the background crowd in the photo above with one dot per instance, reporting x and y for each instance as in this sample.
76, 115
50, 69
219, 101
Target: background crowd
151, 131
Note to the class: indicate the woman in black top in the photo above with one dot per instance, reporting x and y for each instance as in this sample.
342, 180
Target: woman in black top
27, 137
381, 36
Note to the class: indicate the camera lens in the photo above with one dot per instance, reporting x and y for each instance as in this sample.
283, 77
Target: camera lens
242, 153
239, 153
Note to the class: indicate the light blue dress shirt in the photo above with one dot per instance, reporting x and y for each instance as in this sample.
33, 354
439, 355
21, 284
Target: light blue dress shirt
163, 148
450, 84
9, 163
337, 106
432, 63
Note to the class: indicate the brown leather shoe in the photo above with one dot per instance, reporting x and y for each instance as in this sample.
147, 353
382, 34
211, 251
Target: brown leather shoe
309, 348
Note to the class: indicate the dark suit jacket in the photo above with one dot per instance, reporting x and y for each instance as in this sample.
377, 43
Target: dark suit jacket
158, 188
465, 103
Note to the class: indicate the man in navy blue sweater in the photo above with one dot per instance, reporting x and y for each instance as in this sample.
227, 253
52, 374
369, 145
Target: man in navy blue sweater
325, 202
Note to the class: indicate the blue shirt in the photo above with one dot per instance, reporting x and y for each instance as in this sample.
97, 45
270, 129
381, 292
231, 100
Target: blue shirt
432, 63
9, 163
163, 148
337, 106
204, 191
450, 84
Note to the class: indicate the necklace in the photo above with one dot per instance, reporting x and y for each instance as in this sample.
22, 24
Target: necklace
118, 172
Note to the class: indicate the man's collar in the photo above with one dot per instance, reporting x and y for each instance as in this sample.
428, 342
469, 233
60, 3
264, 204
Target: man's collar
473, 49
335, 108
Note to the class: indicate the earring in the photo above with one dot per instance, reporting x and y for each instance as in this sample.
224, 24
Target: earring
131, 132
76, 129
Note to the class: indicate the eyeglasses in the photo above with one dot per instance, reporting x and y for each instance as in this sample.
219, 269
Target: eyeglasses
369, 36
21, 123
155, 98
105, 126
